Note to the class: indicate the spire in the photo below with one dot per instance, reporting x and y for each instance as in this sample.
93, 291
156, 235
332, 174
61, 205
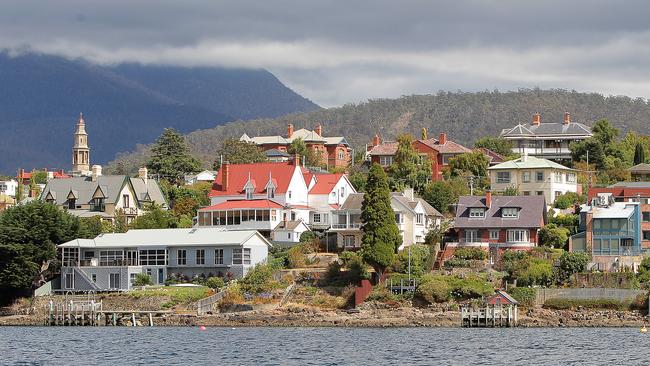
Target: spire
80, 149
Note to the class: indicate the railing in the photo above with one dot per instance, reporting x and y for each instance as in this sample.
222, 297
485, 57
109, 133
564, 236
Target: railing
130, 210
347, 226
98, 208
621, 251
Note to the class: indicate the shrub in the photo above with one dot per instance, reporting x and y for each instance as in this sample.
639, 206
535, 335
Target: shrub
297, 255
470, 253
553, 236
419, 257
435, 290
233, 295
525, 295
537, 272
457, 263
381, 294
571, 263
445, 287
566, 304
567, 200
142, 279
215, 282
356, 268
258, 280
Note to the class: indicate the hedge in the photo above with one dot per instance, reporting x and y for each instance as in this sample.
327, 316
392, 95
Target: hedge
525, 295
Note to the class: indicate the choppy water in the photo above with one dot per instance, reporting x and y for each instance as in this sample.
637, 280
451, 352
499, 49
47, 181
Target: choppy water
321, 346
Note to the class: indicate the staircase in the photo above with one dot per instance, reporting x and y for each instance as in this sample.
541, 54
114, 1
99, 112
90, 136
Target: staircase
437, 264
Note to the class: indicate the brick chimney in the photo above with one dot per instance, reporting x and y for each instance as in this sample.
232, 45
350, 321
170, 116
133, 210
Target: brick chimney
376, 141
296, 160
442, 139
567, 118
225, 174
319, 129
144, 174
537, 119
289, 130
488, 199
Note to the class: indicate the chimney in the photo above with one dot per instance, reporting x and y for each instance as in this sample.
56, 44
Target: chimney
424, 133
567, 118
289, 130
96, 171
319, 129
442, 139
296, 160
409, 193
488, 199
21, 173
144, 174
537, 119
376, 141
225, 174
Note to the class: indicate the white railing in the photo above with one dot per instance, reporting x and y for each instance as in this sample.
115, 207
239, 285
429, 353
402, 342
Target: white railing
347, 226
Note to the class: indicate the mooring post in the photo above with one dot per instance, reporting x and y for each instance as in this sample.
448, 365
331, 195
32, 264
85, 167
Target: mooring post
133, 319
150, 320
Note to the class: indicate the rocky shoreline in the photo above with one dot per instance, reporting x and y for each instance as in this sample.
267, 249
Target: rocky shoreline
397, 317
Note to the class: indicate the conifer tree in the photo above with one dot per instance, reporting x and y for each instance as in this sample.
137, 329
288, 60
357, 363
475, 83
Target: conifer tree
381, 236
639, 154
171, 158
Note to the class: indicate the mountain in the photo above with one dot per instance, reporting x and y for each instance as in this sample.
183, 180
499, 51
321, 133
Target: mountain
464, 116
123, 105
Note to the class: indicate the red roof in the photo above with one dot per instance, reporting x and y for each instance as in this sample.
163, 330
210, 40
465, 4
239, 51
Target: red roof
325, 183
242, 204
60, 175
448, 147
280, 173
25, 175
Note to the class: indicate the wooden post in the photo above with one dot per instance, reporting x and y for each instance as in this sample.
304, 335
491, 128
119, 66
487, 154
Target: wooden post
133, 319
150, 320
114, 319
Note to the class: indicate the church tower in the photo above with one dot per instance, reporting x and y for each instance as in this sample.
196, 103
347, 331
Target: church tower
80, 150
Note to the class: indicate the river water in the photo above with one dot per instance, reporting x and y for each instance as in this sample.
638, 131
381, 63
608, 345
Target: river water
321, 346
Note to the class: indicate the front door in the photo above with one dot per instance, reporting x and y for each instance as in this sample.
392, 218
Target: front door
161, 276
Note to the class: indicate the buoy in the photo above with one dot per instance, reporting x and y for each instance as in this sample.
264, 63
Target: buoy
644, 329
202, 327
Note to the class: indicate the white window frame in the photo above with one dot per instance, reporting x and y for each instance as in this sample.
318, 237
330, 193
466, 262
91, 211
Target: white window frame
200, 259
386, 160
571, 177
111, 278
181, 260
525, 177
341, 154
537, 173
270, 193
249, 193
476, 213
69, 280
218, 256
316, 218
518, 236
558, 177
494, 234
509, 212
241, 256
419, 219
471, 236
349, 243
503, 177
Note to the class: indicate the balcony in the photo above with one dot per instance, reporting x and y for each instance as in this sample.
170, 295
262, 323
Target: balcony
350, 226
131, 211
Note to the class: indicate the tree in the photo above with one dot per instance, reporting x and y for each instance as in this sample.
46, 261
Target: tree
474, 163
381, 236
312, 158
443, 194
170, 157
409, 168
499, 145
142, 279
90, 227
604, 132
639, 154
511, 191
571, 263
358, 181
590, 148
239, 152
553, 236
29, 234
567, 200
155, 218
39, 177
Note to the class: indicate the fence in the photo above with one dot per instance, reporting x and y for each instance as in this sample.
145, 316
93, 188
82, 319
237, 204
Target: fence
206, 305
618, 294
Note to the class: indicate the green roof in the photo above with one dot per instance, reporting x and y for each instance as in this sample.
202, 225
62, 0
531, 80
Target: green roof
529, 162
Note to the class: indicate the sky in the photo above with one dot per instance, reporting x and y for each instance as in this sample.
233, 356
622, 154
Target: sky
338, 52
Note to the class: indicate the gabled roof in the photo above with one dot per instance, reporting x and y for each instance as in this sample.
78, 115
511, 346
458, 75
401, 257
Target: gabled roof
290, 225
325, 183
385, 148
338, 140
303, 133
449, 147
243, 204
306, 135
529, 162
355, 201
280, 174
494, 157
642, 168
548, 129
532, 213
274, 153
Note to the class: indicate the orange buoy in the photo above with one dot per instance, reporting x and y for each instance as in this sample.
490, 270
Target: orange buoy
202, 327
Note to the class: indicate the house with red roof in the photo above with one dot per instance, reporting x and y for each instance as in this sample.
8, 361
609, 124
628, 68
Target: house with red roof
439, 151
327, 192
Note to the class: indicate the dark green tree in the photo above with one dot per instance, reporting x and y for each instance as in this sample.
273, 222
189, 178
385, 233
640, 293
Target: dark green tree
29, 234
155, 218
171, 158
571, 263
443, 194
474, 163
299, 147
409, 169
604, 132
90, 227
553, 236
590, 148
639, 154
239, 152
381, 236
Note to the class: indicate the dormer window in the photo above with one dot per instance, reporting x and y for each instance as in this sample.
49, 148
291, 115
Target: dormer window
249, 193
509, 212
477, 212
71, 203
270, 193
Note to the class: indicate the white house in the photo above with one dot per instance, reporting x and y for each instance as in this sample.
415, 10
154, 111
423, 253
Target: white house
111, 261
204, 176
289, 232
534, 176
8, 187
327, 192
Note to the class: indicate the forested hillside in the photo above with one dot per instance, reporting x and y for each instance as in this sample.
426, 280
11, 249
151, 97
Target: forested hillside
464, 116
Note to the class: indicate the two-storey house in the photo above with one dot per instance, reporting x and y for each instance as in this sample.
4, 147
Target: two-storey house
534, 176
546, 140
110, 262
413, 215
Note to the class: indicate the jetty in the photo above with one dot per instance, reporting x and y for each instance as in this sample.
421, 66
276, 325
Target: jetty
489, 316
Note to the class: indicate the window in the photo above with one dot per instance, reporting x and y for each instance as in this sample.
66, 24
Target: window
503, 177
558, 177
539, 176
477, 212
517, 236
571, 177
509, 212
525, 177
289, 194
181, 257
97, 204
342, 191
205, 219
557, 194
293, 216
218, 256
494, 234
93, 277
249, 193
131, 278
341, 154
125, 200
471, 236
539, 193
419, 218
526, 193
316, 218
110, 257
241, 256
348, 241
288, 235
646, 216
113, 280
646, 235
69, 280
385, 160
200, 256
446, 157
71, 203
270, 193
153, 257
398, 218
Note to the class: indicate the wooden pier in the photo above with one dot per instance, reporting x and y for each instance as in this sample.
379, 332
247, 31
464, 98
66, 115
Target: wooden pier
91, 313
489, 316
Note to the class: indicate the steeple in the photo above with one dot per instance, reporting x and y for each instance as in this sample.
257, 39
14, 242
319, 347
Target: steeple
80, 149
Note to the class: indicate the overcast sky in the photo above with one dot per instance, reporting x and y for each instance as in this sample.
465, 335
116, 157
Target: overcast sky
335, 52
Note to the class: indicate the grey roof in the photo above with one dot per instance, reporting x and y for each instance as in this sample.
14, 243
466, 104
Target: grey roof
166, 237
110, 185
640, 168
290, 225
531, 214
631, 184
548, 129
276, 153
355, 201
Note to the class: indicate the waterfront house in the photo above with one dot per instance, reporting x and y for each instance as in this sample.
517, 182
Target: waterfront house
110, 262
335, 151
414, 217
438, 151
546, 140
534, 176
104, 195
497, 223
610, 232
